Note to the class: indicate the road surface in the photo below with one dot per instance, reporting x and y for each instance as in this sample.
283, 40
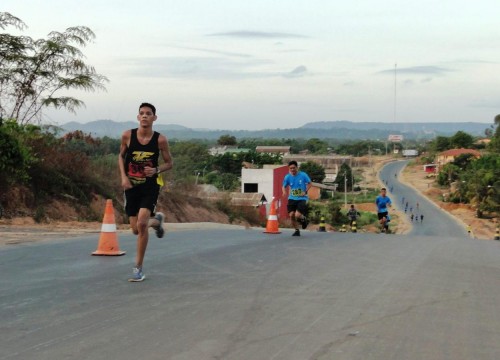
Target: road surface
243, 294
436, 222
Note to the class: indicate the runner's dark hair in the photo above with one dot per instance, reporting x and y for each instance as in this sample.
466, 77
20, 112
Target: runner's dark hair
151, 106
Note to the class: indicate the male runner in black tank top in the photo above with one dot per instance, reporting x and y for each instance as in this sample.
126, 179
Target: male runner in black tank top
139, 168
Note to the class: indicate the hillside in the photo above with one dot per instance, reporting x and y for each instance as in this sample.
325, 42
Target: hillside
342, 130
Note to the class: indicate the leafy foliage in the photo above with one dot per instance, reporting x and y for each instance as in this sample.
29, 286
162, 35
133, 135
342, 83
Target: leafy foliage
440, 143
34, 72
190, 157
477, 182
317, 146
227, 140
461, 140
360, 148
448, 174
232, 162
344, 177
15, 156
315, 171
224, 182
49, 168
495, 140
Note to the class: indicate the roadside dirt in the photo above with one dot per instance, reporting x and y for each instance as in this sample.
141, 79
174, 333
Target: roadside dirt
483, 229
62, 220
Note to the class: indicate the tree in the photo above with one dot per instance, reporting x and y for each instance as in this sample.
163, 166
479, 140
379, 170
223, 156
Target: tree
482, 187
344, 176
463, 160
34, 72
316, 146
461, 140
336, 216
448, 174
441, 143
495, 141
190, 158
15, 156
315, 171
360, 148
227, 140
488, 132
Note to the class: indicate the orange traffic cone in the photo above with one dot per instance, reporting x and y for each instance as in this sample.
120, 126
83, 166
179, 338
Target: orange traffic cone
108, 241
272, 221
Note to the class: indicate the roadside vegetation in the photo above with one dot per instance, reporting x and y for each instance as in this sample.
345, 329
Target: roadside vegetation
470, 180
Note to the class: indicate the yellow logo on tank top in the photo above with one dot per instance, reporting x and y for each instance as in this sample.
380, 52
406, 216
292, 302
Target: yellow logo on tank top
140, 156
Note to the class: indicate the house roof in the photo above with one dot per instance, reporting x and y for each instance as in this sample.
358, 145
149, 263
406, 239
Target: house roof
323, 186
272, 148
457, 152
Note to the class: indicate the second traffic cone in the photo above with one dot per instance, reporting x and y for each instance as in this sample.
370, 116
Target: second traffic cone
272, 221
322, 225
354, 228
108, 241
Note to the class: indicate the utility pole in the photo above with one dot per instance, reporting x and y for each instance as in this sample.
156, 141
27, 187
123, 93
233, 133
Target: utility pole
345, 189
395, 89
352, 186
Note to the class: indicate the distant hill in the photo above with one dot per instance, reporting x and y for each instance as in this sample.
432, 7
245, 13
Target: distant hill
435, 127
114, 129
345, 130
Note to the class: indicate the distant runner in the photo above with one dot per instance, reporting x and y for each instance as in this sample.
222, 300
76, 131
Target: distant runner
298, 183
352, 214
383, 201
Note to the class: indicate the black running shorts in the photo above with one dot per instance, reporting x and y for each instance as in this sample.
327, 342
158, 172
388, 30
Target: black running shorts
297, 205
141, 196
382, 215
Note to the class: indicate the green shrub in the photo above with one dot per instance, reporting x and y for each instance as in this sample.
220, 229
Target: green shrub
15, 156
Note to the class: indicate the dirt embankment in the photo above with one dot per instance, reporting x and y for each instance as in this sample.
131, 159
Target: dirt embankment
62, 218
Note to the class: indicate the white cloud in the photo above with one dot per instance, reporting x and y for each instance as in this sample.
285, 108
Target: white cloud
297, 72
248, 34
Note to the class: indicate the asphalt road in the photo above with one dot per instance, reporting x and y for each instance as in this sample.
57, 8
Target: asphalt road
243, 294
436, 222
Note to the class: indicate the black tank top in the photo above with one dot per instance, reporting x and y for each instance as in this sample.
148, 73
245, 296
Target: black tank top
138, 156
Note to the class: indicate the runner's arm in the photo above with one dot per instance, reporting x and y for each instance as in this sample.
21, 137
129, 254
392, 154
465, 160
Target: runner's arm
168, 162
121, 160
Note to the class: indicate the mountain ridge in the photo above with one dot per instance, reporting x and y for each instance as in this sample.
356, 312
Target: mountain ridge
342, 129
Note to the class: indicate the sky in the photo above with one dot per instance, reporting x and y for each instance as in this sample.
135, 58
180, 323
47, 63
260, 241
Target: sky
268, 64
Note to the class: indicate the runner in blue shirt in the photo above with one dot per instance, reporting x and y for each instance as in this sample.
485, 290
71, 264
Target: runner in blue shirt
383, 201
298, 183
